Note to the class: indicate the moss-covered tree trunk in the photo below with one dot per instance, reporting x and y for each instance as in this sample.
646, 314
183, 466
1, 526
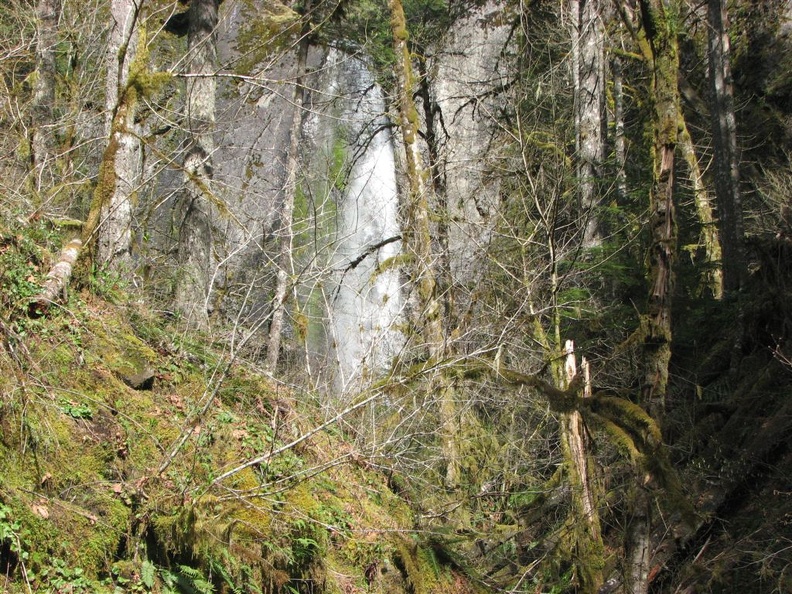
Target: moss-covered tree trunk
710, 241
42, 133
107, 232
661, 19
194, 216
444, 276
417, 241
285, 228
583, 522
726, 157
114, 239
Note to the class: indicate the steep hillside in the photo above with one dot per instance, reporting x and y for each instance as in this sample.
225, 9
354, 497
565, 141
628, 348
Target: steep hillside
115, 429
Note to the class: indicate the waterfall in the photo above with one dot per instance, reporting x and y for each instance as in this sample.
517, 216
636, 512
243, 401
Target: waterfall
364, 302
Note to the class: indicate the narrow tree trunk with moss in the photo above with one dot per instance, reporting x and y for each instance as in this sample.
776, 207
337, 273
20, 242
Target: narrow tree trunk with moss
582, 534
286, 235
114, 238
584, 522
194, 212
662, 226
107, 230
726, 157
710, 242
42, 128
444, 276
417, 241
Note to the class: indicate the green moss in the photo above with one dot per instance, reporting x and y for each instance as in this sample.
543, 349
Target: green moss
427, 566
80, 456
266, 29
339, 163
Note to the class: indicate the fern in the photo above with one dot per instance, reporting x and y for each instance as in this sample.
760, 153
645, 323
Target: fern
197, 582
169, 579
190, 572
147, 574
221, 570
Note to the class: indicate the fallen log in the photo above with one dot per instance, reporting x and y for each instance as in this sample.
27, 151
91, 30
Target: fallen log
56, 280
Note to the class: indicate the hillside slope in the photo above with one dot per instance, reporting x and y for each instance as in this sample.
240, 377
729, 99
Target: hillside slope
114, 429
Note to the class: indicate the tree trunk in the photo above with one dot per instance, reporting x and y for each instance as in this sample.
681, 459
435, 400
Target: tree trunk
664, 96
589, 90
619, 143
285, 261
114, 238
194, 216
639, 546
713, 276
726, 157
57, 279
42, 137
660, 47
584, 519
417, 241
442, 235
107, 231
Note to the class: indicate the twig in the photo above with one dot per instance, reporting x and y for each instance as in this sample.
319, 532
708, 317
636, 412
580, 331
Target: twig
294, 443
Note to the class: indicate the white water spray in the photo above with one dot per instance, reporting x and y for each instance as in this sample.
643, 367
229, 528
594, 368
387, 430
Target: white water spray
365, 302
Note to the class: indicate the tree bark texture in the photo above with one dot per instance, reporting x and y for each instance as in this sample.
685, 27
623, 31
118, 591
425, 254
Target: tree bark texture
42, 135
588, 59
417, 241
194, 212
57, 279
619, 142
114, 239
639, 545
660, 47
444, 276
710, 241
664, 96
726, 157
585, 524
286, 234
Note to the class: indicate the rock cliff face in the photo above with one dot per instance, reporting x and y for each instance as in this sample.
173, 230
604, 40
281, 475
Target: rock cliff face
349, 293
467, 81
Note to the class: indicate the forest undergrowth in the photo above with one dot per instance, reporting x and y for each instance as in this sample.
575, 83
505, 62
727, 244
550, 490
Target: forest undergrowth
115, 425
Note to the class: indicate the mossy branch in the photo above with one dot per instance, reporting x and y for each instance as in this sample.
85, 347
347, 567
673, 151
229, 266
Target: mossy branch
563, 401
631, 428
630, 416
392, 263
620, 438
